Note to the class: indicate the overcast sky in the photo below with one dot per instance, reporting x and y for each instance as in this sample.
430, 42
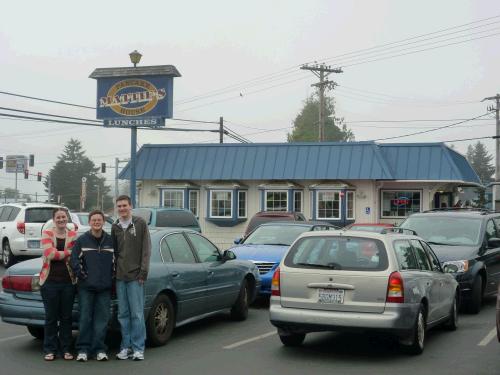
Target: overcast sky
48, 49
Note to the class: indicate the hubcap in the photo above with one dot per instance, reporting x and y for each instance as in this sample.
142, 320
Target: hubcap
161, 318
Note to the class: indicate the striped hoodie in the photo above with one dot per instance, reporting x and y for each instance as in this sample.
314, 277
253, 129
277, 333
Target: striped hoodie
50, 252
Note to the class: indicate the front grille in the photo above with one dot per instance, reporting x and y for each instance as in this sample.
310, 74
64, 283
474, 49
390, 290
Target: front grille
264, 267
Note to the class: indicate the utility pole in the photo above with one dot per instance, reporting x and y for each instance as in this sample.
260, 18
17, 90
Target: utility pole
497, 149
221, 129
322, 71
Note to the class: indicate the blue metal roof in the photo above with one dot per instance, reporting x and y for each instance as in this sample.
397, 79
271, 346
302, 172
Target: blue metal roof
300, 161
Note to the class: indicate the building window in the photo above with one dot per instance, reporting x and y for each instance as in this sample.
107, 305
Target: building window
242, 204
328, 204
349, 196
400, 203
173, 198
193, 201
276, 201
297, 201
221, 203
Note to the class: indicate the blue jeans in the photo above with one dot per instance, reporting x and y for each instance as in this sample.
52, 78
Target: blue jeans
94, 318
131, 314
58, 303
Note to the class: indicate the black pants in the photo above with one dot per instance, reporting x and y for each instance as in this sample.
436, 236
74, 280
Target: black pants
58, 301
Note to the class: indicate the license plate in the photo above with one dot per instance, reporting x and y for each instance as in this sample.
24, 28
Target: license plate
33, 244
331, 296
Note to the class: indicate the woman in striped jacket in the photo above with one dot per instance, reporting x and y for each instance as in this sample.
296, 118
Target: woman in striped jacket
57, 286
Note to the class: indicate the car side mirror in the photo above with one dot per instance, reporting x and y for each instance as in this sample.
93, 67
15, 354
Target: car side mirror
238, 240
228, 255
450, 268
494, 242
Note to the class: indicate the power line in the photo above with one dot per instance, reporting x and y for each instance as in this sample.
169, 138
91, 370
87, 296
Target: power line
429, 130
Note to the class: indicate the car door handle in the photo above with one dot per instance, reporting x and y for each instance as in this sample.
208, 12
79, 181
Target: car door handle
210, 273
175, 274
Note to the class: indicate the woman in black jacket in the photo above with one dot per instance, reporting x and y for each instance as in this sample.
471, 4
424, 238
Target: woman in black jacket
92, 260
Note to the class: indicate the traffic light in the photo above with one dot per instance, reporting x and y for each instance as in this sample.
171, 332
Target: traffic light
39, 176
26, 174
103, 167
32, 160
1, 162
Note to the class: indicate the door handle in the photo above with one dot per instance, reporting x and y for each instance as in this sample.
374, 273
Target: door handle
210, 273
175, 274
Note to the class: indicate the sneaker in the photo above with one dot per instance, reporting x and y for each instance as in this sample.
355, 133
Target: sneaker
101, 356
138, 356
82, 357
124, 354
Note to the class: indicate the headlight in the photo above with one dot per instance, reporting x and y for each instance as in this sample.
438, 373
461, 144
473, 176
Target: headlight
462, 265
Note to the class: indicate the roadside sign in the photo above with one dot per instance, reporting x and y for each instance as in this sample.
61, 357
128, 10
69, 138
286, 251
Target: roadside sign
16, 163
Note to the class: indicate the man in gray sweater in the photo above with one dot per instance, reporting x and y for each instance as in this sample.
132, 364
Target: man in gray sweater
132, 245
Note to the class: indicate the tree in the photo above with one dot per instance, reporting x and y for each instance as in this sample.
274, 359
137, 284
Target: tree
66, 179
481, 162
306, 124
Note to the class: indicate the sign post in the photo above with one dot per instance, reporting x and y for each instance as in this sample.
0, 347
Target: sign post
135, 97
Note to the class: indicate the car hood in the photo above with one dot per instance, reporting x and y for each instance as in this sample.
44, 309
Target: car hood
28, 267
263, 253
446, 253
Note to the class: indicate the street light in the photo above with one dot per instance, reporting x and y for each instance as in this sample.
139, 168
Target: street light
135, 57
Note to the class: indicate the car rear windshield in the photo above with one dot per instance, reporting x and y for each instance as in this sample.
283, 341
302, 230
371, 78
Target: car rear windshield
338, 253
276, 234
144, 213
38, 215
445, 230
180, 219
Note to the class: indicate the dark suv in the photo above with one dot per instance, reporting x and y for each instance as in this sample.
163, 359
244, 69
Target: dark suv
469, 240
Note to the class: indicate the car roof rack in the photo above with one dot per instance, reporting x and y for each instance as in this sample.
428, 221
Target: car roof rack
399, 230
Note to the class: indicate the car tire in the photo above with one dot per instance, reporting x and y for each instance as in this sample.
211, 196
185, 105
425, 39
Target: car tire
36, 332
161, 321
476, 299
417, 338
452, 323
239, 311
292, 339
8, 259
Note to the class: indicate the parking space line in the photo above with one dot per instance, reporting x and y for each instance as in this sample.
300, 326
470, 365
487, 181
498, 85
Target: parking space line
488, 337
243, 342
13, 337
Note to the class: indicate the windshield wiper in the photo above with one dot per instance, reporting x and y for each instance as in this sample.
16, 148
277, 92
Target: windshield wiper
330, 266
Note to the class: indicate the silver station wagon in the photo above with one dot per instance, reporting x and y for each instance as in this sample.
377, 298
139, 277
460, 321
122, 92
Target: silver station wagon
359, 281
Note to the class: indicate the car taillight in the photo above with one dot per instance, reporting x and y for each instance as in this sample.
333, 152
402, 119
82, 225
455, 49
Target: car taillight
395, 288
21, 227
275, 283
18, 283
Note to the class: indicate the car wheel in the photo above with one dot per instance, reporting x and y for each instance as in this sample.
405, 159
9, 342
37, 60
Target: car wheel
452, 323
239, 311
8, 258
417, 338
161, 321
36, 332
292, 339
474, 304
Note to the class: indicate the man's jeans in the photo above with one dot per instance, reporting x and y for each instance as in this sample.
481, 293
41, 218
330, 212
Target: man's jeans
58, 302
131, 314
94, 318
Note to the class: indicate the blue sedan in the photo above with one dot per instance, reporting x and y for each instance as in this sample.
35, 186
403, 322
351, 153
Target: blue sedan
267, 244
189, 279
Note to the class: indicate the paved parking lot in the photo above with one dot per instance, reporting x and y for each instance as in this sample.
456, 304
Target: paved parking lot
220, 346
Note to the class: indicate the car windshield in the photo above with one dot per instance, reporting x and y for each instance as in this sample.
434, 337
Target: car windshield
445, 230
179, 219
338, 253
275, 234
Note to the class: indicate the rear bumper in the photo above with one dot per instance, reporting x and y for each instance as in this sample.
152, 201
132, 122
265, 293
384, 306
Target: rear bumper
396, 319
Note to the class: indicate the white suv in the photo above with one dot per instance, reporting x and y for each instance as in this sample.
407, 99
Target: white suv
21, 229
